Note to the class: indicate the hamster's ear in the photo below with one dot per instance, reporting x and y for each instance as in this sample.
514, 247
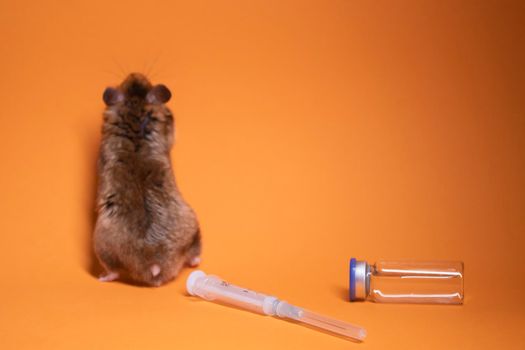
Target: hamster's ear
158, 94
112, 96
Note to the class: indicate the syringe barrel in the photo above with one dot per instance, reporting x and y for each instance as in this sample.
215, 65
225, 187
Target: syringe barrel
213, 288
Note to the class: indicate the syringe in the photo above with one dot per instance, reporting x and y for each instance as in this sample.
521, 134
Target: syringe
213, 288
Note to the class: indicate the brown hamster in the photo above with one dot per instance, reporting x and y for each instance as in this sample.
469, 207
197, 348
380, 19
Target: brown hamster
145, 231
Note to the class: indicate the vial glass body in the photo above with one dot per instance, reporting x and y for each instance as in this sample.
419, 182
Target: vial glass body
427, 282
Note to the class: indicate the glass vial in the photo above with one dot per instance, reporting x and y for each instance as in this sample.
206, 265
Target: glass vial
422, 282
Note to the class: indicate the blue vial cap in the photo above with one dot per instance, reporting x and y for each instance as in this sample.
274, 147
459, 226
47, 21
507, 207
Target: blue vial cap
352, 279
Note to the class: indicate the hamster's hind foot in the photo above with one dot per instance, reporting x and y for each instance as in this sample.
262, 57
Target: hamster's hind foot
155, 270
108, 277
195, 261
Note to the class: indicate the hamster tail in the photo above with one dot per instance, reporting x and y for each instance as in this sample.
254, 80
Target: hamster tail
155, 270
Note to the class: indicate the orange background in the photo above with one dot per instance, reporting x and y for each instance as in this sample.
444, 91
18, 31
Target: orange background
307, 133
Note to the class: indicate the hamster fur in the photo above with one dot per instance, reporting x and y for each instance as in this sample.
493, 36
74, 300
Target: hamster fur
145, 231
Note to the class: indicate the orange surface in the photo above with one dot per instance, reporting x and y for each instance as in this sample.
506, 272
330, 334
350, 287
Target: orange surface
307, 132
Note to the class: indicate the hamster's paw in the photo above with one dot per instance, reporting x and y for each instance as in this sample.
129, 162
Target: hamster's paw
155, 270
110, 276
195, 261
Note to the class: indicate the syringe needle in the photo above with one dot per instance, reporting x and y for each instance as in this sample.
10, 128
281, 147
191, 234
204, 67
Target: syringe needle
333, 325
284, 309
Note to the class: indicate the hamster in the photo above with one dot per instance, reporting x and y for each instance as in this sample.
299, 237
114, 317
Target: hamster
145, 231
